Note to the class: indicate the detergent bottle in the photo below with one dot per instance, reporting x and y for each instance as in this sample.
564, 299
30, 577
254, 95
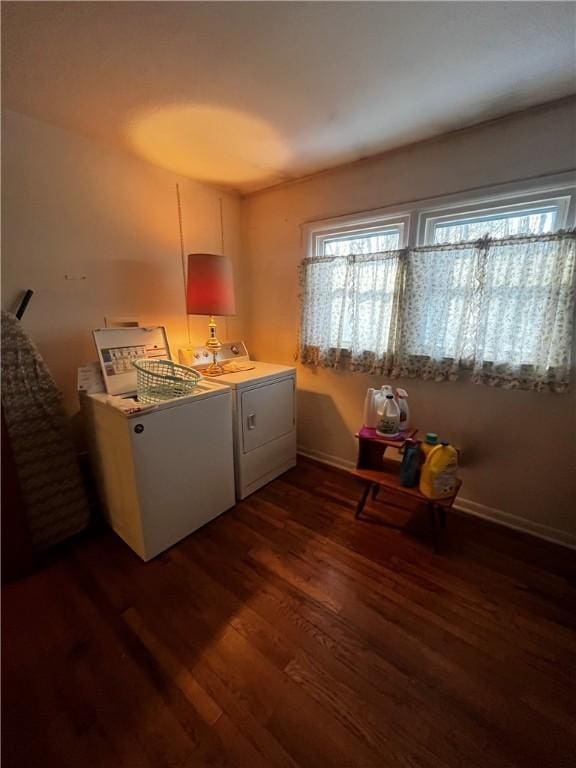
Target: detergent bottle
388, 416
410, 466
430, 441
438, 478
402, 400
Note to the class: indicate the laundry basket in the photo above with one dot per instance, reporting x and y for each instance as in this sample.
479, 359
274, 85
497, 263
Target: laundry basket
158, 380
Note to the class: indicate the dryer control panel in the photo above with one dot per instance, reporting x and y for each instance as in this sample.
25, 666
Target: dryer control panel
199, 357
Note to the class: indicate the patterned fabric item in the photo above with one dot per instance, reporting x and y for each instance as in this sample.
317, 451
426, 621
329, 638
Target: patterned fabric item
39, 434
351, 310
500, 309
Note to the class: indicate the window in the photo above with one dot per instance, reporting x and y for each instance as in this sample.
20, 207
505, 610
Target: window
489, 289
497, 221
372, 235
502, 308
352, 284
503, 290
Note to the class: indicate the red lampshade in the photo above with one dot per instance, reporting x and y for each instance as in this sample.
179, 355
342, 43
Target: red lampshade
210, 285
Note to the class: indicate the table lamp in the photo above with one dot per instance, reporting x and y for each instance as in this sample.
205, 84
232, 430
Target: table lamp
210, 291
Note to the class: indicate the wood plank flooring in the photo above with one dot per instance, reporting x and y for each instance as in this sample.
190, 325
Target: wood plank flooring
286, 633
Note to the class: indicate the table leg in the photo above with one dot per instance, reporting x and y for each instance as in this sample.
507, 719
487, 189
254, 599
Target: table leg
433, 525
442, 516
375, 489
363, 498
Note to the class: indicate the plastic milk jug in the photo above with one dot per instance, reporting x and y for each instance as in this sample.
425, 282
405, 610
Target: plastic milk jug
388, 416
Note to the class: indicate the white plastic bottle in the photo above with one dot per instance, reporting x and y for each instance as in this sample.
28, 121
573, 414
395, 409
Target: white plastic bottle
388, 416
379, 398
370, 415
402, 400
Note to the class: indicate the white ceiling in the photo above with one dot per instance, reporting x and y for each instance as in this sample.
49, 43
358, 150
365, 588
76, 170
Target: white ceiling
250, 94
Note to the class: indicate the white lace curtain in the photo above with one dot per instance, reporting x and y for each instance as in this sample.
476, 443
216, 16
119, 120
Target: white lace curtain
502, 309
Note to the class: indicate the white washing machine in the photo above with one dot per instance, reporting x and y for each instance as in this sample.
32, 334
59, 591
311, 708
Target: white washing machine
165, 469
264, 413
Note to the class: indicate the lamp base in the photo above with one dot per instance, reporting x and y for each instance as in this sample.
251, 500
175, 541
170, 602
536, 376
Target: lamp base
214, 346
214, 369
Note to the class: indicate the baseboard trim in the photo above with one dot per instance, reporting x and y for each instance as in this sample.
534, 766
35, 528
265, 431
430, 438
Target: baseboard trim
326, 458
539, 530
469, 507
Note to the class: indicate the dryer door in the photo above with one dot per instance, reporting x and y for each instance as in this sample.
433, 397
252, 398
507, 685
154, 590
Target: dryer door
267, 413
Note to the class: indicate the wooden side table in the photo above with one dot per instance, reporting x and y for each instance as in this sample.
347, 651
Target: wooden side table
378, 471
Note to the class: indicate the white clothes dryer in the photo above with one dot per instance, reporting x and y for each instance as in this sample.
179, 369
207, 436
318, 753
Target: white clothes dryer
264, 413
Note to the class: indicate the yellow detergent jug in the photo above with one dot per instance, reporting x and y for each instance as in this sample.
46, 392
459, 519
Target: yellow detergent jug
438, 478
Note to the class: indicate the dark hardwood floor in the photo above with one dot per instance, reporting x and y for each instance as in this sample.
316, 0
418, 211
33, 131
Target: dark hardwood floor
286, 633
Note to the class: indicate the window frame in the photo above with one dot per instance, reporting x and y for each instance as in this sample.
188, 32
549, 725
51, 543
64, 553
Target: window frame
329, 229
357, 225
466, 212
413, 214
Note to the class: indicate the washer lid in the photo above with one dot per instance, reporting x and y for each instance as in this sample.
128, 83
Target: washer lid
132, 409
119, 347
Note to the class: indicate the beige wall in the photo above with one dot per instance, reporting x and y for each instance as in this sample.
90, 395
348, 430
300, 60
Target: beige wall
73, 207
519, 448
